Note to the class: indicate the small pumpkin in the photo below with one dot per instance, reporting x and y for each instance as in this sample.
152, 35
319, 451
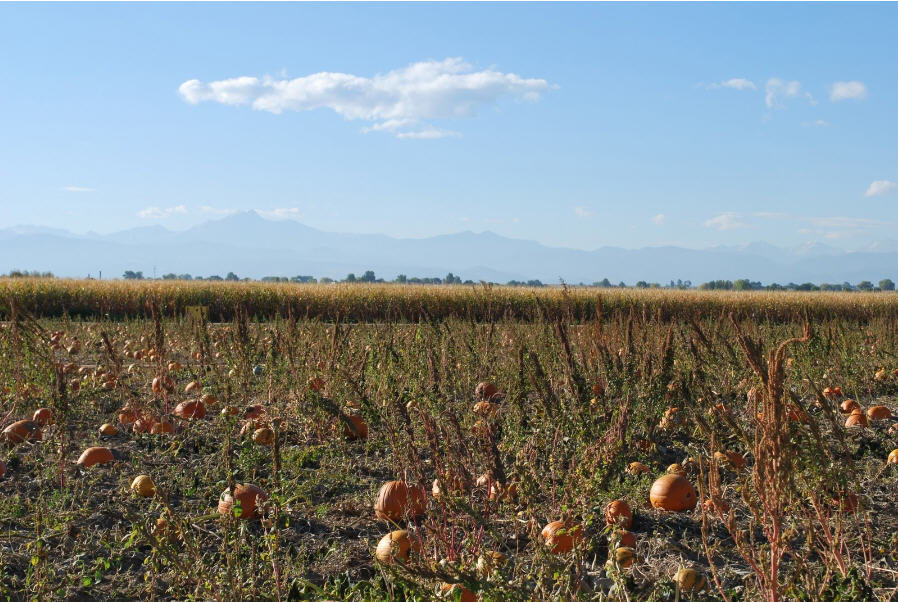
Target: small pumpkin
21, 431
486, 409
689, 581
359, 429
162, 427
457, 591
249, 497
191, 409
673, 492
485, 391
618, 513
490, 561
254, 411
624, 538
43, 416
396, 500
263, 436
95, 455
856, 419
108, 430
637, 468
143, 486
560, 536
209, 399
127, 416
397, 546
848, 406
879, 413
676, 468
624, 556
192, 386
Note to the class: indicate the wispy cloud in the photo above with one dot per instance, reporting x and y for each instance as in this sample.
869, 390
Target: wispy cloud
853, 90
77, 189
736, 83
401, 101
777, 90
726, 221
209, 210
280, 213
583, 212
161, 213
819, 123
659, 219
880, 187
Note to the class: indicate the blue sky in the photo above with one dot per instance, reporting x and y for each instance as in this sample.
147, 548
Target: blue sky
580, 125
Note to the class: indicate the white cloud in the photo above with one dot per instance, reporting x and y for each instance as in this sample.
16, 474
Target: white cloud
659, 219
819, 123
777, 90
852, 90
280, 213
736, 83
725, 221
77, 189
400, 101
880, 187
583, 212
160, 213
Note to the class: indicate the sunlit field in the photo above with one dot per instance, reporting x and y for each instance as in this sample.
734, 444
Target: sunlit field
371, 442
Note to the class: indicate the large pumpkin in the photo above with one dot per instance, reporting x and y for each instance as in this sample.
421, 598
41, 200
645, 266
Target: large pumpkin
95, 455
893, 457
856, 418
21, 431
879, 413
248, 495
673, 492
44, 416
396, 500
619, 514
193, 408
397, 545
560, 536
143, 486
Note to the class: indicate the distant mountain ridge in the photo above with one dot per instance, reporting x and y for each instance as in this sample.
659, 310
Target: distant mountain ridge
251, 246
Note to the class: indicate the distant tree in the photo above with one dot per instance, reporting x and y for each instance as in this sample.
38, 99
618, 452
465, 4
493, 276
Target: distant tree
886, 284
169, 276
232, 276
131, 275
304, 279
368, 276
401, 279
185, 277
622, 284
642, 284
326, 280
865, 285
215, 277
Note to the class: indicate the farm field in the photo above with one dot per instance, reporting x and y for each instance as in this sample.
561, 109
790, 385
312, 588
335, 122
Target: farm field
541, 444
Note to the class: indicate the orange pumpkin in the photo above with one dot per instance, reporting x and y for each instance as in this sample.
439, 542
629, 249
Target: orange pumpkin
108, 430
879, 413
95, 455
856, 418
396, 499
21, 431
127, 416
637, 468
361, 429
624, 538
253, 411
263, 436
209, 399
618, 513
43, 416
191, 386
673, 492
163, 427
397, 545
457, 591
716, 504
893, 457
848, 406
486, 408
192, 409
485, 391
560, 536
249, 497
676, 469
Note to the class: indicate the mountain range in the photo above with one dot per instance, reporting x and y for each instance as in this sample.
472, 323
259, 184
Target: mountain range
251, 246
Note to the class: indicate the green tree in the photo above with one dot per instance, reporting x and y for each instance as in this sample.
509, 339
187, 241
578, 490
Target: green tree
886, 284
